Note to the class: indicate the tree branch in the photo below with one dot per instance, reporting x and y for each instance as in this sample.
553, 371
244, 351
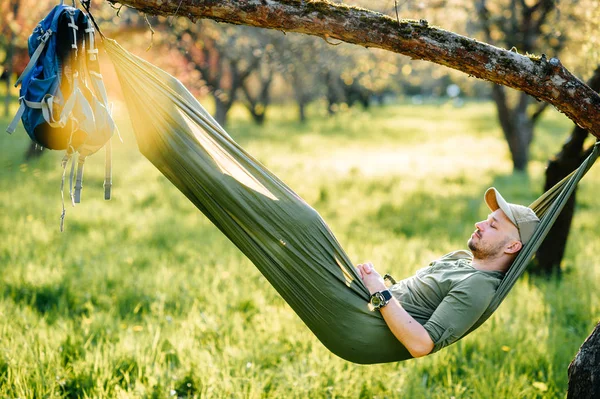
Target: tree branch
545, 80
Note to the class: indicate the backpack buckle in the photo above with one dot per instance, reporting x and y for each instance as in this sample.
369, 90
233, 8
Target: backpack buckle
44, 38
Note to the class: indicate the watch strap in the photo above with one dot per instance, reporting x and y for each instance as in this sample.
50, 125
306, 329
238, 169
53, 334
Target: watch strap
387, 295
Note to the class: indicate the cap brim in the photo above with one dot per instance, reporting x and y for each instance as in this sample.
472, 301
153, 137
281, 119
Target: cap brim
495, 201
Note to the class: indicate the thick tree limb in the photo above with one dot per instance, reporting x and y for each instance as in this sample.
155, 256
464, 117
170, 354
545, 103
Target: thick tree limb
544, 79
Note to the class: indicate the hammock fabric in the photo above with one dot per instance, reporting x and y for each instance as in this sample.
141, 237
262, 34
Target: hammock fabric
281, 234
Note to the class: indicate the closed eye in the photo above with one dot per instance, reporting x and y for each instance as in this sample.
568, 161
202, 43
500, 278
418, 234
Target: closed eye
493, 221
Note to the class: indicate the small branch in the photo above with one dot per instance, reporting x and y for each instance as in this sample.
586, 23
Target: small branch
151, 32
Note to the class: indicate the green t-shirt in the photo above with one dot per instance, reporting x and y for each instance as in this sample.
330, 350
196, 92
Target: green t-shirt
448, 296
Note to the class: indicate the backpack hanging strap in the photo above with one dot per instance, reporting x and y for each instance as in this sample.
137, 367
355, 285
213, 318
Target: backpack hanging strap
71, 178
92, 51
68, 157
108, 170
75, 28
79, 180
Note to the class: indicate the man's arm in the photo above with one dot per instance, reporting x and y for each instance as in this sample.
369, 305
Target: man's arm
404, 327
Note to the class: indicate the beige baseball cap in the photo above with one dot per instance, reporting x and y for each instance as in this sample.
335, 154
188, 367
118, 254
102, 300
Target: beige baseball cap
521, 216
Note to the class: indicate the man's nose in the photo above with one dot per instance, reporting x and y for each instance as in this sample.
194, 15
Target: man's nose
480, 225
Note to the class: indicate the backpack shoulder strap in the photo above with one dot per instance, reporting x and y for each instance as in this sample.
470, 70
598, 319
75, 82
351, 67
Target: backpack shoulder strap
99, 90
35, 56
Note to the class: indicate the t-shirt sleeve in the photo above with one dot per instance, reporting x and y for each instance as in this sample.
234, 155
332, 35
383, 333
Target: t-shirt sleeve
459, 310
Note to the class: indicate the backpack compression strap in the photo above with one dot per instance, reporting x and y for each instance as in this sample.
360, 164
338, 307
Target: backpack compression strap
22, 103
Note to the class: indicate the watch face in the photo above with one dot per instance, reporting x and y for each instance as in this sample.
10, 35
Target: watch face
376, 300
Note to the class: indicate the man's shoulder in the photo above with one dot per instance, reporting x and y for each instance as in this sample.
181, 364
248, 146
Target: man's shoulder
456, 255
480, 283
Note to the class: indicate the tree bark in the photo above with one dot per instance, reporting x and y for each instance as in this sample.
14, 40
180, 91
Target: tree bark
550, 253
545, 79
584, 370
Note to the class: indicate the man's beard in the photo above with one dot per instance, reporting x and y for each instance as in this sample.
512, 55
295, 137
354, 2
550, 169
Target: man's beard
482, 250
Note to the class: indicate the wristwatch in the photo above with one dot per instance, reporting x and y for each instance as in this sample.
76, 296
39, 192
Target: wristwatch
380, 299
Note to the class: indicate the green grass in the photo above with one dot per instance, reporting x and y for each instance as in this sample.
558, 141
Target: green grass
142, 297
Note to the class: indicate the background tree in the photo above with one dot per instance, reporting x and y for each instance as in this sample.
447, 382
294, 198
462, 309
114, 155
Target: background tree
550, 253
584, 54
257, 88
297, 55
225, 57
523, 26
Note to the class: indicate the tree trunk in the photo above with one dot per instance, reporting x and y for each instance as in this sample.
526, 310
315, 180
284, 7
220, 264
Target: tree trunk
302, 111
258, 116
520, 151
222, 108
552, 249
300, 96
584, 370
516, 126
333, 93
550, 253
257, 105
523, 133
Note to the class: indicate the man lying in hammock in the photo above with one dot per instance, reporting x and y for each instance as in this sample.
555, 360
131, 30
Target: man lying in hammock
458, 287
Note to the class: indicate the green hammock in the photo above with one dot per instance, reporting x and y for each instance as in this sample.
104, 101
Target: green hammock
281, 234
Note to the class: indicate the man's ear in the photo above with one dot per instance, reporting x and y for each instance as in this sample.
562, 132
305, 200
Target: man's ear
513, 247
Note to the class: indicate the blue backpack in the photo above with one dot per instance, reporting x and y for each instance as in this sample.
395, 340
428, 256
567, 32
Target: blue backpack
63, 102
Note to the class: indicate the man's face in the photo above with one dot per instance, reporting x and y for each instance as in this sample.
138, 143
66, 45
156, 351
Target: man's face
492, 236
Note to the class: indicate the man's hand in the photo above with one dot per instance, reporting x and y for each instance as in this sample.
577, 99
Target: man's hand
371, 277
404, 327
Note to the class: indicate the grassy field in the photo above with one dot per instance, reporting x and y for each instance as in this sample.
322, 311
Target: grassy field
142, 297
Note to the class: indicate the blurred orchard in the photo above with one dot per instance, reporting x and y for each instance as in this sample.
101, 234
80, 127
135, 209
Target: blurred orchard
257, 68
